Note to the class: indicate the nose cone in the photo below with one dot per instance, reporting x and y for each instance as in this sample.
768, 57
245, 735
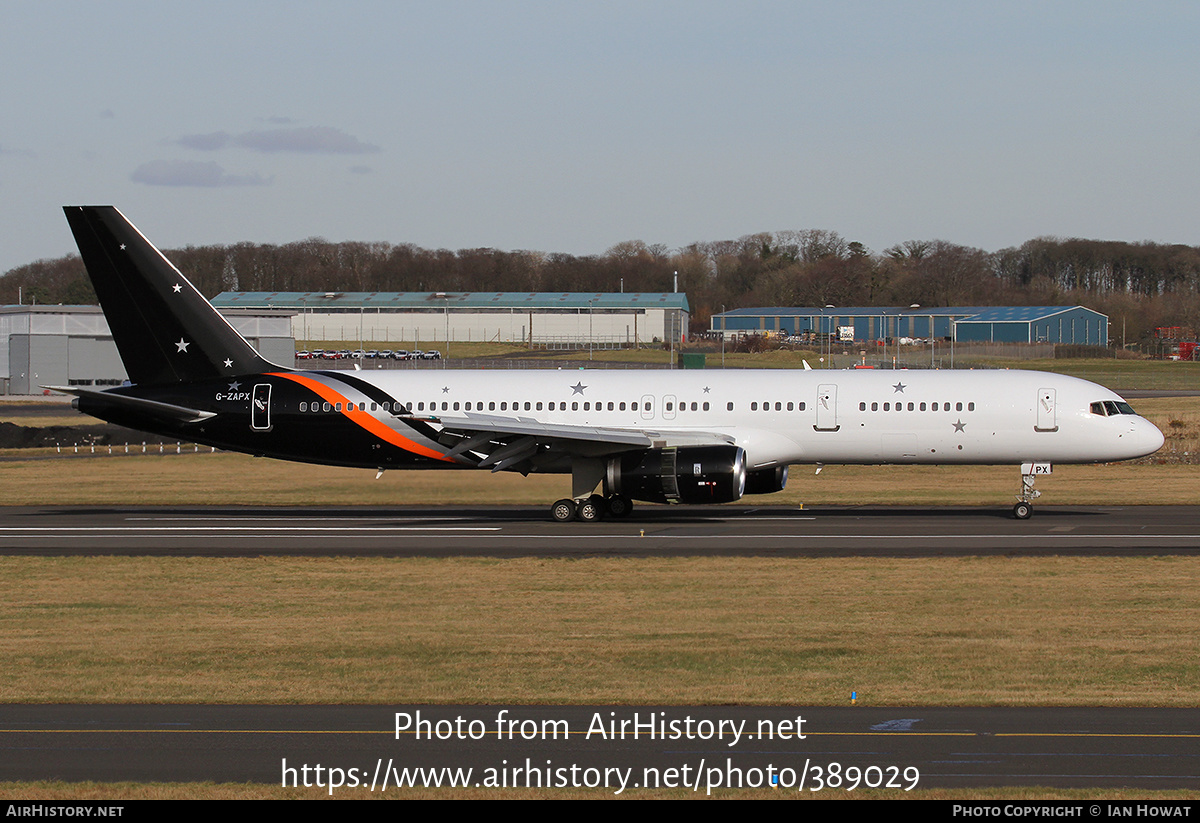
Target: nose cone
1145, 437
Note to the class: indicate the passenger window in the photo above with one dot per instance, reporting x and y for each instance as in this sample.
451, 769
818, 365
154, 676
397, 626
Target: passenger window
622, 406
325, 406
303, 407
445, 406
861, 406
910, 407
958, 406
527, 406
468, 406
778, 406
729, 406
970, 407
575, 406
874, 407
705, 405
754, 406
801, 405
887, 406
587, 406
538, 405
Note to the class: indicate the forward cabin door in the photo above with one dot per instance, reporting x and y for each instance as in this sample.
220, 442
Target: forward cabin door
1047, 416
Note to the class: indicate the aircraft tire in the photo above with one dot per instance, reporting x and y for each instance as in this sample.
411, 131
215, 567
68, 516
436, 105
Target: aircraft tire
1023, 511
619, 506
563, 511
588, 510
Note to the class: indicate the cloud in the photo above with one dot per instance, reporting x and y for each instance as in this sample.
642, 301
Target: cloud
310, 140
206, 142
191, 173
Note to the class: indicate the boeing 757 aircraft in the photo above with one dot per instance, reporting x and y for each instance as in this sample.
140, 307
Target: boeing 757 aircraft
660, 436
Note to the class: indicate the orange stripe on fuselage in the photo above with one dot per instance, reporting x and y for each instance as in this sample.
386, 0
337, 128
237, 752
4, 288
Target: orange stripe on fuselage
363, 419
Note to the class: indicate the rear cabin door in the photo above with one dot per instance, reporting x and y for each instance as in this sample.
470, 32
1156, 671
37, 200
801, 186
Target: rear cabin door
260, 408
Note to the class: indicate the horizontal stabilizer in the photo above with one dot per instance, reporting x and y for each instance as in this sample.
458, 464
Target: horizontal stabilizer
92, 402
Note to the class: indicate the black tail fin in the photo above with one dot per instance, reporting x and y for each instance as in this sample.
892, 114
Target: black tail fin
164, 329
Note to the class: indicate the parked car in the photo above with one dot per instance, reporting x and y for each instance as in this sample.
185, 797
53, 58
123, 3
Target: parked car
433, 354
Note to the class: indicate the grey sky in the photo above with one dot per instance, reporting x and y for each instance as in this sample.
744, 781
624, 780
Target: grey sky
573, 126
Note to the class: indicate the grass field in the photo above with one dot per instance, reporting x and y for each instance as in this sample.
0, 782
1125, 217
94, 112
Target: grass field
702, 630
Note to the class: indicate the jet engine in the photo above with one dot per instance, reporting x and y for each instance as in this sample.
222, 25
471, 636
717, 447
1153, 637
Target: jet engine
687, 474
766, 481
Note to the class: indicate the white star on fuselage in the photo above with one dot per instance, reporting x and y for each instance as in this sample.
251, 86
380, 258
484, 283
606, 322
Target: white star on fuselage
181, 346
959, 426
234, 386
578, 387
228, 363
899, 387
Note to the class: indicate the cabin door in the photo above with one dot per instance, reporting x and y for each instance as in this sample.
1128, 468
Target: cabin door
1047, 417
826, 407
260, 408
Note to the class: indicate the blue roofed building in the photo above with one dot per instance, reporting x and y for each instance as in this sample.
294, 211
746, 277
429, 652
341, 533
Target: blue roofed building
994, 324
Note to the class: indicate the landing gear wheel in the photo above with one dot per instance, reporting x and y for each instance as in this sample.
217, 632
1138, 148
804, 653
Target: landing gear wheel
588, 510
619, 505
1023, 511
563, 511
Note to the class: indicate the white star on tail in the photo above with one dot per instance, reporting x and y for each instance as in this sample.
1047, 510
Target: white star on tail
181, 346
228, 363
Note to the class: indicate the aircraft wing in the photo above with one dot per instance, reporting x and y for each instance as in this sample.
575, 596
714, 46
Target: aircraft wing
504, 442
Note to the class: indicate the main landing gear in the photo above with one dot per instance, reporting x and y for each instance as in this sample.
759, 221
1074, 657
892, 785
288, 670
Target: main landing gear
592, 508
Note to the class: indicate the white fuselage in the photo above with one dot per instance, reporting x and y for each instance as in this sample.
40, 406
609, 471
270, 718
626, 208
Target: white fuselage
784, 417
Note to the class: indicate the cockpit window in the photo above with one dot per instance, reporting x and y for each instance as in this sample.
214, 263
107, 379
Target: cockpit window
1107, 408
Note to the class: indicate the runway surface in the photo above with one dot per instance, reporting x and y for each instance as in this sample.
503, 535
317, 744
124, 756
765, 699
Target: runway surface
708, 746
652, 531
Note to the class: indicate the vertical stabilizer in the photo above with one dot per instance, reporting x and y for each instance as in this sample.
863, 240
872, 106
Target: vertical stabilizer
164, 329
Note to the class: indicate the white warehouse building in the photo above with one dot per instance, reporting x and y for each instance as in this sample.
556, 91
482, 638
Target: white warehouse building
73, 346
531, 318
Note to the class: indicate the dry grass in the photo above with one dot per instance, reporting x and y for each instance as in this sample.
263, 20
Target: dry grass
971, 631
30, 477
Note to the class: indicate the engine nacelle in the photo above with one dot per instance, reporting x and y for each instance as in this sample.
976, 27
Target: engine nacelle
766, 481
689, 474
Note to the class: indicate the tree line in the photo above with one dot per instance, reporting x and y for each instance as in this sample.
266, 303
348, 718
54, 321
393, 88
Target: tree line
1138, 285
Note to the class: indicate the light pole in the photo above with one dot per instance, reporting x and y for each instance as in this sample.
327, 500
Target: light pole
591, 336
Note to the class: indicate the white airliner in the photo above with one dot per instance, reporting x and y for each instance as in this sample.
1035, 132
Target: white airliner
660, 436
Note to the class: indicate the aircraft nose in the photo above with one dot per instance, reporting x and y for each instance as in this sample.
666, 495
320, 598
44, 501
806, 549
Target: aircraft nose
1147, 437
